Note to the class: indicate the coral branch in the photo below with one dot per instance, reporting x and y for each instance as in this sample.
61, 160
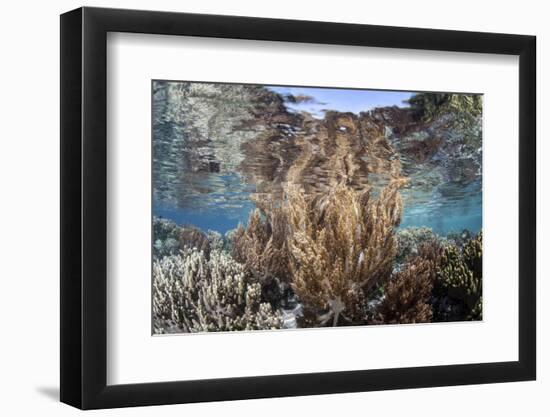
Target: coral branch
460, 277
408, 292
195, 294
262, 247
191, 237
342, 245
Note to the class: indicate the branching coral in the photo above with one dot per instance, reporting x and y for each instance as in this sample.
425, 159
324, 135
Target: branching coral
323, 236
191, 237
215, 240
408, 292
342, 245
195, 294
165, 237
261, 247
263, 250
411, 239
460, 277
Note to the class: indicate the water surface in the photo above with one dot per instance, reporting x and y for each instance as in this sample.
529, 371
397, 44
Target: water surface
216, 147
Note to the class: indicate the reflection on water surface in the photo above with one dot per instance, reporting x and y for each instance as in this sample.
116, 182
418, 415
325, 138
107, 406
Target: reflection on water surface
219, 148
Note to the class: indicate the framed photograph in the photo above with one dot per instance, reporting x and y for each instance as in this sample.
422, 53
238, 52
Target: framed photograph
256, 208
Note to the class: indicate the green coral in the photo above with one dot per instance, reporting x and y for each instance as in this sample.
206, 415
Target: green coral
460, 273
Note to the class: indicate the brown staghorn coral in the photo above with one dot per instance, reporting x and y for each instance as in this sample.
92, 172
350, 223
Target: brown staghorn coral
191, 237
342, 245
194, 294
261, 247
408, 293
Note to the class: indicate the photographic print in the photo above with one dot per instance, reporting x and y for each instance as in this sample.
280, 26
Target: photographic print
288, 207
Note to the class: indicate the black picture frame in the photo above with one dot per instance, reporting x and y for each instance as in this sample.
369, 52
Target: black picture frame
84, 207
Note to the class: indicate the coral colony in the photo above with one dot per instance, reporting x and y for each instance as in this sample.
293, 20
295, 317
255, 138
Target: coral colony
292, 207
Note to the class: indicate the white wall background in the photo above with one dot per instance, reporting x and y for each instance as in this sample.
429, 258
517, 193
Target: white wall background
29, 177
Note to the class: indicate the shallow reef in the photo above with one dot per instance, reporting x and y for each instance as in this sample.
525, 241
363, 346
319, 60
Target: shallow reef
345, 265
408, 292
458, 293
327, 241
194, 294
342, 246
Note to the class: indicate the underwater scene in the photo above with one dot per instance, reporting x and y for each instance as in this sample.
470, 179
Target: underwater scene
281, 207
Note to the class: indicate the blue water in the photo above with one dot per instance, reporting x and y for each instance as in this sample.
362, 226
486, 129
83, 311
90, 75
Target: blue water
218, 220
443, 220
199, 177
447, 218
222, 202
445, 207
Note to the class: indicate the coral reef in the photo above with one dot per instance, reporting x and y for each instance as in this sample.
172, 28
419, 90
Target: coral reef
169, 238
410, 240
459, 284
263, 250
194, 294
407, 294
191, 237
460, 238
216, 240
261, 247
165, 237
342, 245
323, 194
